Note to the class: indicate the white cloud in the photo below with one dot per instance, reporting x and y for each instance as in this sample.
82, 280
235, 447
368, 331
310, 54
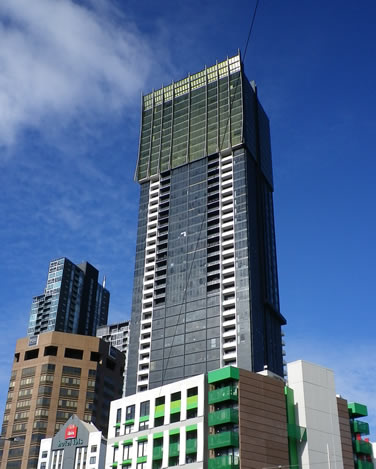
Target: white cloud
60, 60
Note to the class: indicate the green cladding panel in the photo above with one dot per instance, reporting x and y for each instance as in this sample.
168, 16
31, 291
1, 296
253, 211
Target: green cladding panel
224, 462
157, 453
192, 118
192, 402
159, 411
223, 439
223, 416
361, 464
360, 427
191, 446
229, 372
228, 393
291, 427
357, 410
362, 447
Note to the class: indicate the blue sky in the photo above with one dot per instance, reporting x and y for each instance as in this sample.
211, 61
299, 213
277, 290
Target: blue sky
72, 73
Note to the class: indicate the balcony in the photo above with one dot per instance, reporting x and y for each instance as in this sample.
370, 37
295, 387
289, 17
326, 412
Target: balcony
364, 465
357, 410
360, 427
224, 462
228, 393
223, 416
223, 440
230, 344
362, 447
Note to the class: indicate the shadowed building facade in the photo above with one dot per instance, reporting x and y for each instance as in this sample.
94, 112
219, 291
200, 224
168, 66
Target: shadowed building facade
73, 300
205, 286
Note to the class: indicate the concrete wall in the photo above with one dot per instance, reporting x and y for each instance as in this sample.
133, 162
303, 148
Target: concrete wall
316, 409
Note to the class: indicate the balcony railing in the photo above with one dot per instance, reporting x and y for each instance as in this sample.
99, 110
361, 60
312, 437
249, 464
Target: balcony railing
364, 464
360, 427
223, 439
362, 447
357, 410
223, 416
224, 462
228, 393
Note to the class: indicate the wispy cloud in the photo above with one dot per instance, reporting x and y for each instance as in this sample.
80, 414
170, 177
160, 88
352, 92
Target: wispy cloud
66, 60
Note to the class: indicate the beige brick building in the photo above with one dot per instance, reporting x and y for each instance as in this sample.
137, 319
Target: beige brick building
54, 376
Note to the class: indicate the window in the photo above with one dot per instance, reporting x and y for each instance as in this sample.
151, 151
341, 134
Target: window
142, 448
130, 412
158, 421
28, 372
70, 381
71, 370
115, 453
117, 431
93, 449
190, 458
176, 396
74, 353
42, 465
144, 425
92, 460
118, 416
128, 429
192, 392
144, 408
31, 354
173, 461
48, 368
50, 351
127, 452
175, 417
191, 413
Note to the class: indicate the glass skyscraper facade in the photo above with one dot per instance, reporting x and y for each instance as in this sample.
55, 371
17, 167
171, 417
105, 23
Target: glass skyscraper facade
73, 300
205, 286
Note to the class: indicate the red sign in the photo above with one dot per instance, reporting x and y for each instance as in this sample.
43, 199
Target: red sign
70, 432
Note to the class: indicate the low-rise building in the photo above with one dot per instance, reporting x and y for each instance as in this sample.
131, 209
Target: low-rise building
76, 445
231, 418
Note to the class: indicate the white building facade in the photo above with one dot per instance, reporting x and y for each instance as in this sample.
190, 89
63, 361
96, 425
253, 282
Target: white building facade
76, 445
162, 427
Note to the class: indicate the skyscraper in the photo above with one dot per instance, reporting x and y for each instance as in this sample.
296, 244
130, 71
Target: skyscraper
205, 286
73, 300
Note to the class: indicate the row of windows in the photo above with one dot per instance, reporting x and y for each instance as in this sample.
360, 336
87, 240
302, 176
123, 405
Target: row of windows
142, 448
51, 350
